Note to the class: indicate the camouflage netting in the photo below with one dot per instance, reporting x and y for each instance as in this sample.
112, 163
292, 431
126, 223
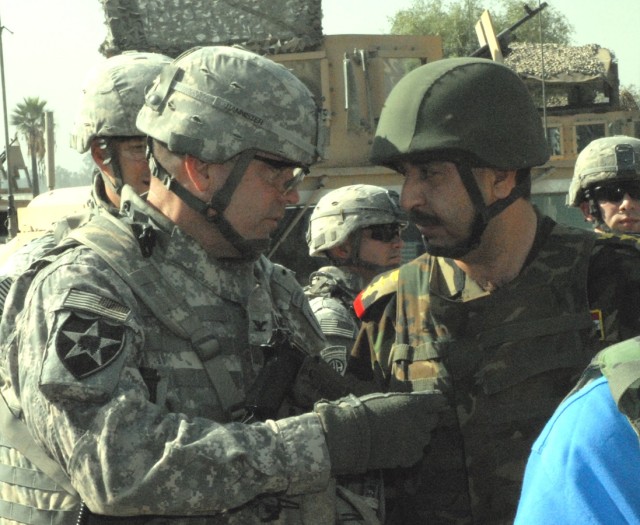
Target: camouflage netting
173, 26
561, 63
575, 76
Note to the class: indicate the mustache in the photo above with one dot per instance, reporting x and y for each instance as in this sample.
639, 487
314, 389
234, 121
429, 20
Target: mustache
423, 219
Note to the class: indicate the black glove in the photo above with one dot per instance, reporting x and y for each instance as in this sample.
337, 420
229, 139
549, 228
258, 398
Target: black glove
378, 430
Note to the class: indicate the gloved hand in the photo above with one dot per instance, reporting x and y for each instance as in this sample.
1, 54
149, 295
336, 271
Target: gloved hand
378, 430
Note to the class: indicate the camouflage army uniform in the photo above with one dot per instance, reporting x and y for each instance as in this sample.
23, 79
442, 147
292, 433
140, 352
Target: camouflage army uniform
100, 378
493, 354
112, 95
338, 220
505, 356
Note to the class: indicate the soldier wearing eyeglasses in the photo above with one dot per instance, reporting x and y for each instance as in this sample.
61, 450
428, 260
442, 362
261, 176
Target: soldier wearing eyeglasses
105, 126
606, 184
133, 354
358, 229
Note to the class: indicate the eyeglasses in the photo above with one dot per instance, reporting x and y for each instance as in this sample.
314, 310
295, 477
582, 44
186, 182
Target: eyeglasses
616, 192
280, 169
385, 232
132, 148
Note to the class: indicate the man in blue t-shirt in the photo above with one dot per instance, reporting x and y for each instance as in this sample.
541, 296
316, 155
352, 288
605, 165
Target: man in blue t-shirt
585, 465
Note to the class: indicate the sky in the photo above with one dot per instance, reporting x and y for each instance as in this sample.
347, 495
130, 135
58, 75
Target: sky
48, 46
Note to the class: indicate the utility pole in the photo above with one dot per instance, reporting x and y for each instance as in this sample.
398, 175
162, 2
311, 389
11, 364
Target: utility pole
12, 219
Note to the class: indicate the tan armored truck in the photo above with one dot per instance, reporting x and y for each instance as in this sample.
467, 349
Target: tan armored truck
577, 89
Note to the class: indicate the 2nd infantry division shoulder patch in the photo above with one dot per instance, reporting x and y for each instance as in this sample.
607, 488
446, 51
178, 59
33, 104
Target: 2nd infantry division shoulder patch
87, 344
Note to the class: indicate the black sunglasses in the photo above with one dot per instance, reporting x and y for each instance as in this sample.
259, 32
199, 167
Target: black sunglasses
385, 232
616, 192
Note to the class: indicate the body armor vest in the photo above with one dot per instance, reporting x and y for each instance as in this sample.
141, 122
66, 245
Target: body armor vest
331, 294
505, 360
193, 365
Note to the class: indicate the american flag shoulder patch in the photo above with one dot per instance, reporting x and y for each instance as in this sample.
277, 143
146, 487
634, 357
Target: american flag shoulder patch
90, 302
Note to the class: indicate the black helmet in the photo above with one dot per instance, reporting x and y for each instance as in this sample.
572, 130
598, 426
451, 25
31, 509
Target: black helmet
470, 111
472, 107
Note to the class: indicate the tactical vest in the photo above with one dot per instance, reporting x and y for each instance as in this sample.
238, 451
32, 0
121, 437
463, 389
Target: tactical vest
186, 329
212, 391
505, 360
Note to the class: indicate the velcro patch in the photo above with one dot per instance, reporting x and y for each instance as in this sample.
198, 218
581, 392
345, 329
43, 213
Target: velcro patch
86, 345
96, 304
336, 356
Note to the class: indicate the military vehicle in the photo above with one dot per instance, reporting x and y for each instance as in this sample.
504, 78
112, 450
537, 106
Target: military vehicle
351, 75
580, 100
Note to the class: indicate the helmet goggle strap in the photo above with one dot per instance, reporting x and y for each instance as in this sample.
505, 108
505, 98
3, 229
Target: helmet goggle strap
248, 248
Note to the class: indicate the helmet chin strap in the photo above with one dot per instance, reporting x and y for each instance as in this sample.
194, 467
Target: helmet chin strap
483, 214
112, 160
249, 249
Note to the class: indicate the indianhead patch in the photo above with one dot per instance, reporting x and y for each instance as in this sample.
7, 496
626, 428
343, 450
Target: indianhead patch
87, 344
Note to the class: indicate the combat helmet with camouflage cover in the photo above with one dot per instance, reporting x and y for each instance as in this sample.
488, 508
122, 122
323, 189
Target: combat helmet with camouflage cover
219, 103
602, 161
346, 210
112, 95
470, 111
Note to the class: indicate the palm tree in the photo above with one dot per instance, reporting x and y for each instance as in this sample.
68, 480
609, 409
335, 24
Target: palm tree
28, 117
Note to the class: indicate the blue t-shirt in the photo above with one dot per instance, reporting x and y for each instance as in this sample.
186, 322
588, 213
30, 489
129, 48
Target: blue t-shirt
585, 465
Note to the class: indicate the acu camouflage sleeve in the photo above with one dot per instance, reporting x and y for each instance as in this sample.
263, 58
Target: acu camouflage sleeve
79, 344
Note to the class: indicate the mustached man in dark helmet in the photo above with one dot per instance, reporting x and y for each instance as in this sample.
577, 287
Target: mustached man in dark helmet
131, 365
606, 184
506, 307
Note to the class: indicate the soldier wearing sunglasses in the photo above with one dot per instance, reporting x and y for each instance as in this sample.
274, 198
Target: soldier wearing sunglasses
358, 229
606, 184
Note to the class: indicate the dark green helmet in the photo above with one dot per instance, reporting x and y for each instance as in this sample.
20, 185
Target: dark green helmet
469, 108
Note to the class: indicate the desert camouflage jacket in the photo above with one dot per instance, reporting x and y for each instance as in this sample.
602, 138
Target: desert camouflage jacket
506, 359
133, 411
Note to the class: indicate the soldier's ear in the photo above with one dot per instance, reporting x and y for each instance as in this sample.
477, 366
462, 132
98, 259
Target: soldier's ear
197, 172
585, 208
504, 182
341, 251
